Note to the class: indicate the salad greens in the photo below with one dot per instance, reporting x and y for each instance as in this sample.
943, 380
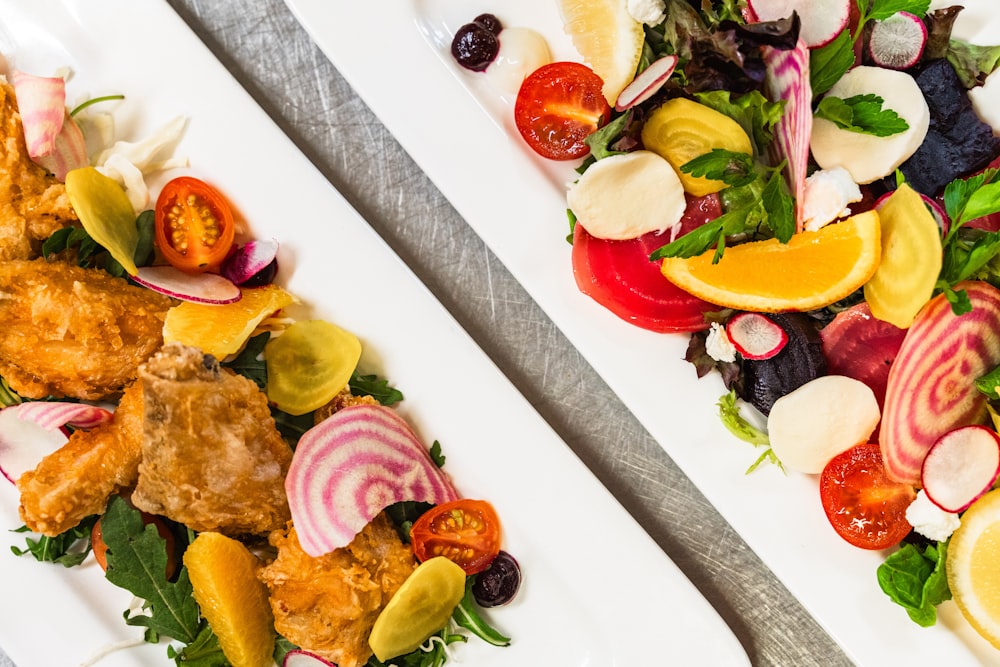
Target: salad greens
916, 580
68, 549
862, 113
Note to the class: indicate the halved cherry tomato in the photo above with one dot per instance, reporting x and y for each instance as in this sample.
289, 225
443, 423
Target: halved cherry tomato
863, 505
464, 531
557, 107
620, 276
100, 549
194, 225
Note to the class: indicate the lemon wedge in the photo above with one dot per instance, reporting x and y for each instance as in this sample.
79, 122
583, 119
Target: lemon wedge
421, 607
608, 39
973, 566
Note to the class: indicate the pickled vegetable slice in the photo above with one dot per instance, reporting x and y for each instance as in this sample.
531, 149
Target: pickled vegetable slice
106, 213
309, 364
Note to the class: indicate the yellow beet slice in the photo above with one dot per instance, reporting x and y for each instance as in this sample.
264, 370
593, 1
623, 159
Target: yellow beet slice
221, 330
105, 212
223, 574
421, 607
681, 130
911, 259
309, 364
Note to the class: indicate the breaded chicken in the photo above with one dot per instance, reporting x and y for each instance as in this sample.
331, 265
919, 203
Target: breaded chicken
76, 480
73, 332
212, 457
329, 604
342, 400
33, 204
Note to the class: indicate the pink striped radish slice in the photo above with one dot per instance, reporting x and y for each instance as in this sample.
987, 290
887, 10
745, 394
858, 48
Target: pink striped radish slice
788, 79
52, 415
647, 84
961, 466
930, 387
23, 443
350, 467
41, 102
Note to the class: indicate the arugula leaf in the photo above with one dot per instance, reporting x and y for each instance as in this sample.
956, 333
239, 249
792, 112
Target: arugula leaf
291, 427
435, 656
137, 562
68, 549
828, 63
735, 169
404, 513
89, 254
204, 651
989, 384
249, 363
467, 616
436, 455
376, 387
865, 114
916, 581
601, 139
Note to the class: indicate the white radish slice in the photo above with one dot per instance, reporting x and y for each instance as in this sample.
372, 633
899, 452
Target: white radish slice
649, 81
898, 41
819, 420
199, 288
300, 658
350, 467
627, 195
52, 415
23, 443
960, 467
756, 336
822, 20
867, 157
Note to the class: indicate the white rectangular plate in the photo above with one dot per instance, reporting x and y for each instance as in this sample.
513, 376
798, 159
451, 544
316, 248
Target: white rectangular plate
461, 133
577, 606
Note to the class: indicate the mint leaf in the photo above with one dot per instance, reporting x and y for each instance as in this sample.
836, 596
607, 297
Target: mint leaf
865, 114
916, 581
735, 169
137, 562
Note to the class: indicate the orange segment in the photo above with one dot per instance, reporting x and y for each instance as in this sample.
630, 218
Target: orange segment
812, 270
973, 566
223, 574
222, 330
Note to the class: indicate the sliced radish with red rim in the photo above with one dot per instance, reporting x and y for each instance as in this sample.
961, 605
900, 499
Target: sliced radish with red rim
300, 658
52, 415
647, 83
822, 20
199, 288
23, 443
960, 467
756, 336
898, 41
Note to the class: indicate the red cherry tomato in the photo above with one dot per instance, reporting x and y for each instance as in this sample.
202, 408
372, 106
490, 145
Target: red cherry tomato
100, 549
620, 276
557, 107
464, 531
194, 225
863, 505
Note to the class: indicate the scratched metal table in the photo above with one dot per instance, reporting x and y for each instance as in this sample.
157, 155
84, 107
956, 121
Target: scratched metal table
268, 52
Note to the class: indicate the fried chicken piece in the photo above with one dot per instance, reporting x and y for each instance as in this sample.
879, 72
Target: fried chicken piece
212, 457
33, 204
342, 400
76, 480
328, 605
74, 332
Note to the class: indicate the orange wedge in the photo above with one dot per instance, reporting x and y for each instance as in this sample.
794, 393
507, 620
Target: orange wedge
812, 270
221, 330
973, 566
223, 575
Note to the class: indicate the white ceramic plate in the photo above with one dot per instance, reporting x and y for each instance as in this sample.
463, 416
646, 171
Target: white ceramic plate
578, 606
460, 131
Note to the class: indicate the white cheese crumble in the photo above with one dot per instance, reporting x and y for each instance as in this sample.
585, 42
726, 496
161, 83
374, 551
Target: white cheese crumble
827, 194
930, 520
718, 346
649, 12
